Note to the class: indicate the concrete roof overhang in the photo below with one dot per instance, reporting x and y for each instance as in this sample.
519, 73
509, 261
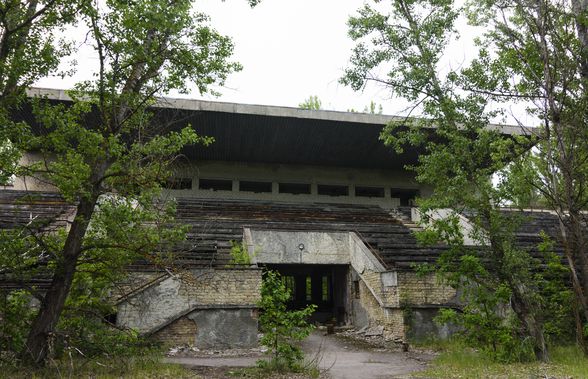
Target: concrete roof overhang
280, 135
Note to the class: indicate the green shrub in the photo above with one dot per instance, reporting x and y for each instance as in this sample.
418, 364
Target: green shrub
282, 328
239, 254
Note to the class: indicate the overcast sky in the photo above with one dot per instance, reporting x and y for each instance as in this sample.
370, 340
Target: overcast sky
289, 49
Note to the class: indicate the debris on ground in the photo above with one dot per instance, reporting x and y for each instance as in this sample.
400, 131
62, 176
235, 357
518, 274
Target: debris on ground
192, 351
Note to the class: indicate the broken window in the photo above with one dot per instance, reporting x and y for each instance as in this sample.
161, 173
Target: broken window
369, 191
215, 184
406, 195
332, 190
294, 188
178, 183
257, 187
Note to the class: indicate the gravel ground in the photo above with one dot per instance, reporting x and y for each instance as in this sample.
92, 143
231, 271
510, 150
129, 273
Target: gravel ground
346, 354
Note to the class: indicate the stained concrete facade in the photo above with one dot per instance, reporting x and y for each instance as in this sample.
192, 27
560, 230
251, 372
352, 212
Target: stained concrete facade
217, 306
204, 308
389, 180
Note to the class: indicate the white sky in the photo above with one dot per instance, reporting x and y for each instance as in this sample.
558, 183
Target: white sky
290, 50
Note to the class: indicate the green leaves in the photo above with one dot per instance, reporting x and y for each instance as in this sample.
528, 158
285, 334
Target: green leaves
282, 328
109, 149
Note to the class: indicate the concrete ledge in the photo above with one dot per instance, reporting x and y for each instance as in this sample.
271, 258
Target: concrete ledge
270, 110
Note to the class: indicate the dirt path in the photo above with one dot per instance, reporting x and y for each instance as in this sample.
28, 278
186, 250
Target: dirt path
342, 357
350, 359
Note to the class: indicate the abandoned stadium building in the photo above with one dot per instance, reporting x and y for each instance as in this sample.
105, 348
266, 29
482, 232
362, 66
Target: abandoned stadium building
314, 195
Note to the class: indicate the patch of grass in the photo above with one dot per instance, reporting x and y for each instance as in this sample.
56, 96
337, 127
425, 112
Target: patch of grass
149, 367
457, 361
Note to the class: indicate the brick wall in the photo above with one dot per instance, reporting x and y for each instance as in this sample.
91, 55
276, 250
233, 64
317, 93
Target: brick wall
223, 286
409, 289
168, 299
180, 332
390, 318
415, 289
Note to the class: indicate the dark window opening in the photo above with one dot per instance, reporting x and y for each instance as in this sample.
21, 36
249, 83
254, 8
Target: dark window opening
178, 183
325, 289
369, 191
111, 318
407, 196
294, 188
308, 289
215, 184
290, 283
332, 190
257, 187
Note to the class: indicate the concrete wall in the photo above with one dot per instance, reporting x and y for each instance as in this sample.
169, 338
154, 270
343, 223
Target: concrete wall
469, 233
283, 247
28, 183
421, 326
202, 297
313, 175
368, 311
275, 173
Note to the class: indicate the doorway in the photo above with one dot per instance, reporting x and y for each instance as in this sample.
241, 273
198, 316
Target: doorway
322, 285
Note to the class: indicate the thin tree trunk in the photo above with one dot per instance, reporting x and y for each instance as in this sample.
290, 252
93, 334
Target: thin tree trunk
528, 315
40, 334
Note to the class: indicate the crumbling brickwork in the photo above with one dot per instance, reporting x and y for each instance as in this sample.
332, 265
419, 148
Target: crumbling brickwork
390, 319
390, 299
223, 286
180, 332
182, 309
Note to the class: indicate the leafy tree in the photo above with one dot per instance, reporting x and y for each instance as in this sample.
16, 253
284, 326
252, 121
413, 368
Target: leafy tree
282, 328
373, 108
313, 103
533, 51
28, 52
105, 153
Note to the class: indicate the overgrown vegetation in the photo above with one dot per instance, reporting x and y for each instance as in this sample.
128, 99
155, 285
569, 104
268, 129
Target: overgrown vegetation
239, 254
531, 52
104, 153
145, 365
457, 360
282, 328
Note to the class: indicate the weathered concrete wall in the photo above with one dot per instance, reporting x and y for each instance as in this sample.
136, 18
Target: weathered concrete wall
466, 226
312, 175
402, 304
420, 325
225, 328
361, 258
29, 183
272, 246
203, 292
218, 328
